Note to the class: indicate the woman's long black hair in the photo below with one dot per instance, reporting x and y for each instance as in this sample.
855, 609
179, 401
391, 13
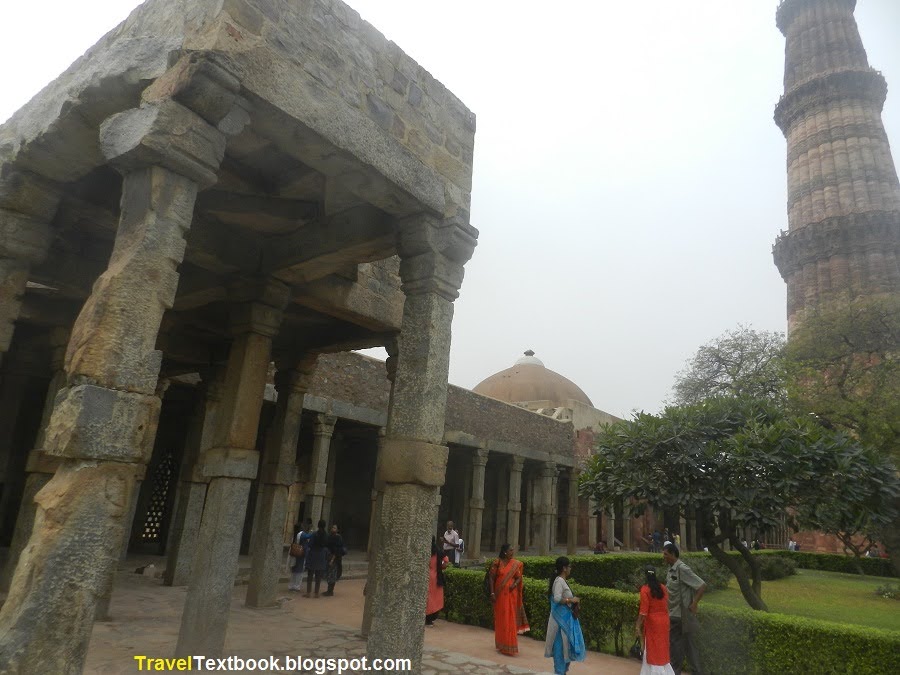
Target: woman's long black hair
438, 559
561, 561
655, 589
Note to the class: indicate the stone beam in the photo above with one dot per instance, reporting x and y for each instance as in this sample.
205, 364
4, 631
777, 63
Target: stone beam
379, 309
359, 234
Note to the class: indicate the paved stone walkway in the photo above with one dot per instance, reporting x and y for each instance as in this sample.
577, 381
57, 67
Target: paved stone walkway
146, 618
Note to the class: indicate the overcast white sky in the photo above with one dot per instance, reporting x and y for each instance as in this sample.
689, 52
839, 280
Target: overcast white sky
629, 179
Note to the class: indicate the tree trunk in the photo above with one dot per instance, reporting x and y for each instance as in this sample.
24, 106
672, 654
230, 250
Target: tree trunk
752, 562
890, 537
753, 598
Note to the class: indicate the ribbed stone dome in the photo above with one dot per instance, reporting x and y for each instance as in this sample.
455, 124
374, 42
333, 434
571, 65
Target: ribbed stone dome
530, 380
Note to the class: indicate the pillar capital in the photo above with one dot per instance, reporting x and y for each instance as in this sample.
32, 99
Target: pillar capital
258, 306
145, 137
433, 253
480, 457
548, 470
516, 463
323, 425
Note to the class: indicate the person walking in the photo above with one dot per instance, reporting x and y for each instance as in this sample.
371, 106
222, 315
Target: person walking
436, 567
505, 577
685, 590
297, 567
336, 552
316, 559
653, 625
565, 641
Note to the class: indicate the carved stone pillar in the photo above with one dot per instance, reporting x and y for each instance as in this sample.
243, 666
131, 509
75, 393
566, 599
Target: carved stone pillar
104, 420
682, 530
231, 465
514, 506
276, 475
323, 432
554, 511
476, 503
192, 484
336, 443
502, 517
545, 509
572, 525
413, 458
375, 543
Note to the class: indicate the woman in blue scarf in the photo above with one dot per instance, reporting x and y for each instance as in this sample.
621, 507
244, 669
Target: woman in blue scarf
565, 643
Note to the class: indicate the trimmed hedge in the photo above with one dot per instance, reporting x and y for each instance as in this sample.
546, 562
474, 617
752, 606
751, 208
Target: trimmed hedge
834, 562
604, 571
732, 641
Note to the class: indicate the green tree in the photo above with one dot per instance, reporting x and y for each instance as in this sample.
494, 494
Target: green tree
739, 463
744, 362
843, 362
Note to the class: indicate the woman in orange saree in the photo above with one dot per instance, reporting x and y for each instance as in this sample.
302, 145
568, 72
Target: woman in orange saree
506, 596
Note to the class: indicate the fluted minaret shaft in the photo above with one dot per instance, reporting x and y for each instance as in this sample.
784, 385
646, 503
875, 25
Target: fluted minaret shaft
843, 238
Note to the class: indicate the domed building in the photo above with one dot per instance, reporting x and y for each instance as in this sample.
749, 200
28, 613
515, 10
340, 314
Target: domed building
531, 385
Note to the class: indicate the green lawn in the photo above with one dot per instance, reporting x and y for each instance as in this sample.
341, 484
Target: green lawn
846, 598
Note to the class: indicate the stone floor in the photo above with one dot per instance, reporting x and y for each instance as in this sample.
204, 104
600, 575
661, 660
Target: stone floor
145, 618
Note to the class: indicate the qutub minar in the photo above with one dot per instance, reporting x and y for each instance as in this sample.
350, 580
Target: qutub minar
843, 238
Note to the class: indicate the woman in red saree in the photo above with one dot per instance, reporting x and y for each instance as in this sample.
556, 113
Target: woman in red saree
506, 596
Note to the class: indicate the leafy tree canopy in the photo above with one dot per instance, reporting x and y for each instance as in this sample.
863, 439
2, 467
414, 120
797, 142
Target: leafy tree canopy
739, 463
744, 362
844, 366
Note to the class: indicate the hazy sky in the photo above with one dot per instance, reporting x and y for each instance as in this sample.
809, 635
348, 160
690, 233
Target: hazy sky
629, 179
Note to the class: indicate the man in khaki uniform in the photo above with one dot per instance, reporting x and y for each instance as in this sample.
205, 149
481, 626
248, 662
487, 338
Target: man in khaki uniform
685, 590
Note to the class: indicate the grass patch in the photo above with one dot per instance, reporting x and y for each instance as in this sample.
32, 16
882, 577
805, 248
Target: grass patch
829, 596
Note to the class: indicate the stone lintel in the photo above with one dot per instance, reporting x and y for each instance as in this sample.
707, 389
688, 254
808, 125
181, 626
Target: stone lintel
91, 422
164, 134
344, 410
230, 463
410, 461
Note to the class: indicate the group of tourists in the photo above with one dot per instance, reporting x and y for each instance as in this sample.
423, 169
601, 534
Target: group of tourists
319, 554
666, 625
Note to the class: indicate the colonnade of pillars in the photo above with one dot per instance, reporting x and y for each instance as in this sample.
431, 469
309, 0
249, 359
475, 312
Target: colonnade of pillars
539, 504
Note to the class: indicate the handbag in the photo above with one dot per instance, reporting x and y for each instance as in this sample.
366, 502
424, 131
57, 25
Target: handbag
636, 650
297, 550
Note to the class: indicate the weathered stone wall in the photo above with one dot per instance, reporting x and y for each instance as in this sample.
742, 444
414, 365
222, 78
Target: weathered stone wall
486, 418
353, 378
351, 59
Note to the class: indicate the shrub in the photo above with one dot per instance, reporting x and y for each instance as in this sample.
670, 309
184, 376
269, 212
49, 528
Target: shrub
833, 562
776, 567
714, 573
732, 641
888, 592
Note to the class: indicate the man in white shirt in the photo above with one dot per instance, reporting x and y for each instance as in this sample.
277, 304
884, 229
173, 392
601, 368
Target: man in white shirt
451, 543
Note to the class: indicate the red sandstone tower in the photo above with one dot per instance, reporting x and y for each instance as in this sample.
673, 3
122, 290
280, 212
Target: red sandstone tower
843, 238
